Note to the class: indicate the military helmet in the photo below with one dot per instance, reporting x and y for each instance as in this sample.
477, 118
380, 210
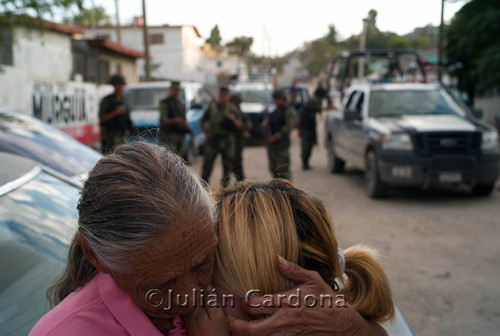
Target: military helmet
117, 79
279, 93
175, 85
223, 90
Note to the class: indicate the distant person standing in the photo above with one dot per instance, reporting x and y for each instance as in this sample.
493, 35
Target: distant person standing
307, 130
279, 125
219, 133
321, 93
114, 116
295, 101
173, 122
243, 126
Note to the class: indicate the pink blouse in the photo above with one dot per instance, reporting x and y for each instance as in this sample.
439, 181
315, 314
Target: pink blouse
100, 308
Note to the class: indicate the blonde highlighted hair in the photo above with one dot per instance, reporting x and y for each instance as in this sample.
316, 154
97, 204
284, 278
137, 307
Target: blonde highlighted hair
258, 221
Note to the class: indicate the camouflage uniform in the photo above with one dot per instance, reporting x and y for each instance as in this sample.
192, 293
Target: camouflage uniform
240, 142
308, 131
113, 131
281, 122
220, 140
173, 136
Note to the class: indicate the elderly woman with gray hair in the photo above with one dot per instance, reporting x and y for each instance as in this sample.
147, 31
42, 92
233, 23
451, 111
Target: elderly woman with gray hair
146, 235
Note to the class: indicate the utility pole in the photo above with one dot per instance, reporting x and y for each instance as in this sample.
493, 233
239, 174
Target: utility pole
118, 27
147, 65
362, 47
440, 44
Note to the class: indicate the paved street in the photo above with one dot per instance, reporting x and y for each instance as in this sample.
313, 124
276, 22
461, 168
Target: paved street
440, 250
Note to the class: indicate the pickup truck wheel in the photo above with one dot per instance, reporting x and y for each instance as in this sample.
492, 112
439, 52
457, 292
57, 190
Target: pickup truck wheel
335, 164
483, 189
374, 186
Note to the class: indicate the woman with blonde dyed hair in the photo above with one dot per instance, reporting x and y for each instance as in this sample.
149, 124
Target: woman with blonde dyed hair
256, 222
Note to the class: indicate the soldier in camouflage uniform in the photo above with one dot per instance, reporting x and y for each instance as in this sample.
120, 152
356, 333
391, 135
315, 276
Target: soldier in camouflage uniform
307, 130
243, 126
219, 136
279, 125
173, 122
114, 116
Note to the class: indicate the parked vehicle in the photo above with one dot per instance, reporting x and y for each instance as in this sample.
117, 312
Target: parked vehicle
144, 101
38, 218
256, 102
411, 134
26, 136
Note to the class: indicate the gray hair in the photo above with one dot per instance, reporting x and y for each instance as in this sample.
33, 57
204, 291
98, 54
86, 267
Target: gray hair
130, 198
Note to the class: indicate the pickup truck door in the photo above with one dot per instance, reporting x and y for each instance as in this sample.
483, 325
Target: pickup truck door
342, 135
359, 136
352, 135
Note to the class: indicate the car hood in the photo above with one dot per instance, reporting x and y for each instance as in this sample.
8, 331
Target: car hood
252, 107
428, 123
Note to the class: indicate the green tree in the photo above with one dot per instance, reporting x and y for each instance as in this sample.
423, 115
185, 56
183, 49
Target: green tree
15, 13
215, 39
240, 46
92, 16
473, 40
317, 54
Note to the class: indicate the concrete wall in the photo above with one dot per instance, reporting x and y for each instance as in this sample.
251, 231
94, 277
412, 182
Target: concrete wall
178, 57
37, 56
128, 66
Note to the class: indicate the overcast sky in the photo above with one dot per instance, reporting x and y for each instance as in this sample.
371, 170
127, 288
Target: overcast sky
280, 26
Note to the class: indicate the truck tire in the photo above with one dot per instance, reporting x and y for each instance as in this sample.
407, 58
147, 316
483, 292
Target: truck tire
335, 164
374, 185
483, 189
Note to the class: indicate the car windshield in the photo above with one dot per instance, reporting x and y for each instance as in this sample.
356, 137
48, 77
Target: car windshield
32, 138
37, 222
256, 96
395, 103
147, 98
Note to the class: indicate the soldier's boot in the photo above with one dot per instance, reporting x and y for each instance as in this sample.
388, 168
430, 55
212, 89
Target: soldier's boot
305, 165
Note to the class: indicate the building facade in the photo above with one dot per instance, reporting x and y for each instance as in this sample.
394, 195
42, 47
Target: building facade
175, 50
58, 78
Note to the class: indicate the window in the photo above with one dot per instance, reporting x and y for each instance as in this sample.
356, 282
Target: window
92, 69
119, 68
351, 101
359, 104
103, 75
156, 39
79, 64
6, 43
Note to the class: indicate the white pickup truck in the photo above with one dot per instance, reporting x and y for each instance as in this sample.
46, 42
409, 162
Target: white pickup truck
411, 134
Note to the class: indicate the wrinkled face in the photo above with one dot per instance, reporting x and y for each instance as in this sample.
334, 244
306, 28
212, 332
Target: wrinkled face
178, 262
